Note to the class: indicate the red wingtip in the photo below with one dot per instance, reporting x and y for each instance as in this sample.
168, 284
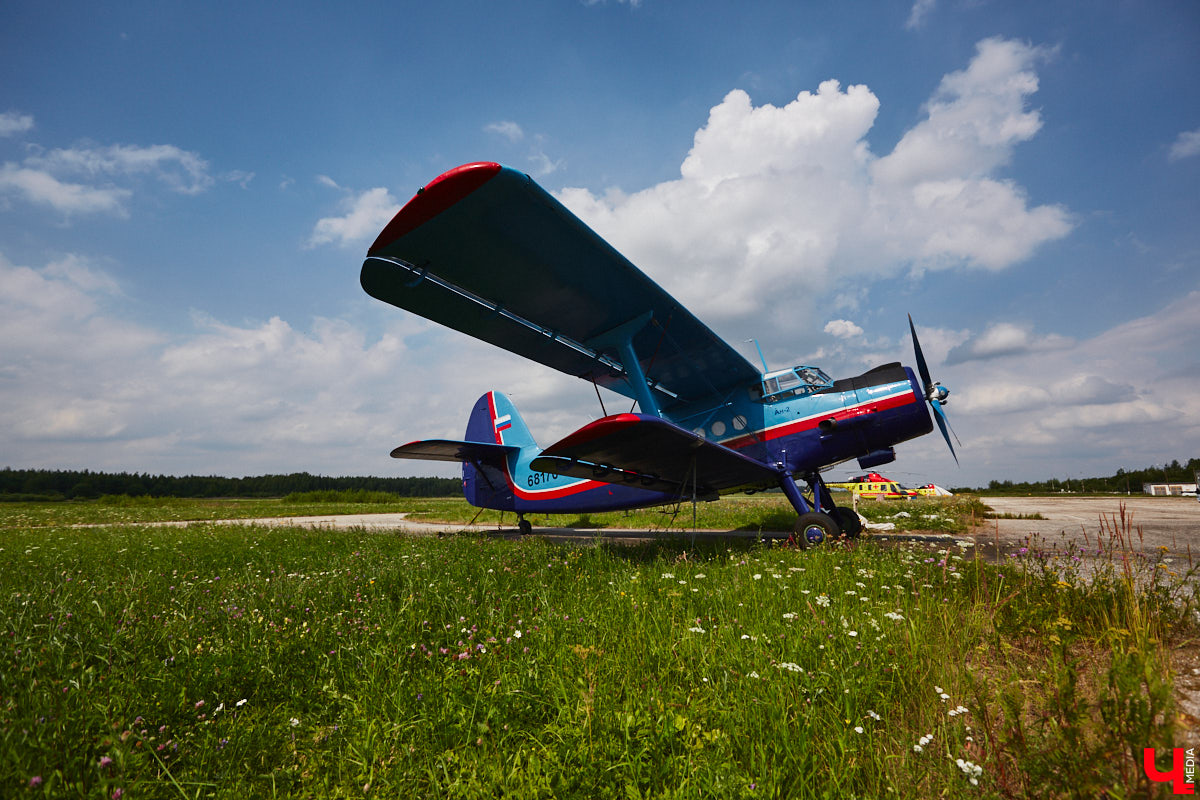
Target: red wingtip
439, 194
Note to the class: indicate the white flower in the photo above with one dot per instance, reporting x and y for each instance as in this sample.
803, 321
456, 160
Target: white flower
917, 748
791, 667
874, 716
668, 575
823, 601
789, 615
752, 675
696, 629
853, 633
517, 634
241, 702
294, 722
858, 729
758, 576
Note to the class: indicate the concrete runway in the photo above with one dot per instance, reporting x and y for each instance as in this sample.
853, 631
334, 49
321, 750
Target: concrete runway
1150, 523
1091, 522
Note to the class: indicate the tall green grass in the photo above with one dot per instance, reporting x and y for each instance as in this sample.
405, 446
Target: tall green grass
210, 661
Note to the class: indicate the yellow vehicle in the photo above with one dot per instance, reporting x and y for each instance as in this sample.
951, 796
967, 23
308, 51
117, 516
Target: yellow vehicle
874, 485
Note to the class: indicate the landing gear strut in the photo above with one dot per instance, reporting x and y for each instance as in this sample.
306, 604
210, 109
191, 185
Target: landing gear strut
822, 519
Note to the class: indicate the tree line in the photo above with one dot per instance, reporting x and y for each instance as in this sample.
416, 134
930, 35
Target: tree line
1123, 481
43, 484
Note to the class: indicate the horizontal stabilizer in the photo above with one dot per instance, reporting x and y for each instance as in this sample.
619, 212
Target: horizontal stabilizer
451, 450
649, 451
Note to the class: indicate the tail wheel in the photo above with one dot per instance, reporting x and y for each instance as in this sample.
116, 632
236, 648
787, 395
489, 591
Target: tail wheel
848, 520
813, 528
525, 527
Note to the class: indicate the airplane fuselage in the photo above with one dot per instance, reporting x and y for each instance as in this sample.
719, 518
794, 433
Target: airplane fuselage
795, 435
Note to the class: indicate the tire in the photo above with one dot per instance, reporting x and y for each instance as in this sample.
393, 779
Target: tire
525, 527
848, 520
813, 528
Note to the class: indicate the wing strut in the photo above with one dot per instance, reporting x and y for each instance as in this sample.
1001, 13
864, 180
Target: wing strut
621, 337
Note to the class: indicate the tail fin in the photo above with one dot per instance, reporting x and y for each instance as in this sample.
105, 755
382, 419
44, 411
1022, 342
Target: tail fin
494, 420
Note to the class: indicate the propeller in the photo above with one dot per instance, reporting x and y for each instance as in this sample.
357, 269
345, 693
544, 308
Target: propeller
935, 393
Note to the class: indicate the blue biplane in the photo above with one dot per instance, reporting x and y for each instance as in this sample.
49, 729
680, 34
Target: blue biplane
486, 251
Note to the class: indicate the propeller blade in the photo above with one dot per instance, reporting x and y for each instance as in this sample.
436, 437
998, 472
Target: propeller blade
943, 424
935, 397
922, 367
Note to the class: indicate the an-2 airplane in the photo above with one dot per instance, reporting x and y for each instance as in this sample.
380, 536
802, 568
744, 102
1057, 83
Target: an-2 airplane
486, 251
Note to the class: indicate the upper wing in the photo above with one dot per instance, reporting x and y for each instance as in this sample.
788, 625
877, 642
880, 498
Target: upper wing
485, 250
629, 448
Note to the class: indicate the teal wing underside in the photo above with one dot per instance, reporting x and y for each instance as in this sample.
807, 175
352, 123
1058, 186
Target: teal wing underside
486, 251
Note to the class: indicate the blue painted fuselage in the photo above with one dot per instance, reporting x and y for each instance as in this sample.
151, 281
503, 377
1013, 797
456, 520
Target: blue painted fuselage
794, 435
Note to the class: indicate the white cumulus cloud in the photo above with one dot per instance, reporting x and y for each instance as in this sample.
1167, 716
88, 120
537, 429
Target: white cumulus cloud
842, 329
777, 207
366, 213
14, 122
1186, 145
506, 128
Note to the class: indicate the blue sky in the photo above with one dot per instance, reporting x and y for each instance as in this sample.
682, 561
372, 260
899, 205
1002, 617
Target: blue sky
187, 191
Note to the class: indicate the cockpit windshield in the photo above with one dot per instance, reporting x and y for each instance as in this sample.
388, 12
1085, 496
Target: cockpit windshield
793, 382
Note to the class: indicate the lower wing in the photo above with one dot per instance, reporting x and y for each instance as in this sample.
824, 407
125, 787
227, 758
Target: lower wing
656, 454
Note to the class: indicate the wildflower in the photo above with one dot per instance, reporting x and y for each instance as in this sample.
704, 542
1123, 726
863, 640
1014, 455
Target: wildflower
752, 675
874, 716
517, 634
852, 633
823, 601
293, 722
789, 666
696, 629
105, 761
758, 576
241, 702
789, 615
858, 729
117, 793
35, 781
969, 769
668, 575
199, 703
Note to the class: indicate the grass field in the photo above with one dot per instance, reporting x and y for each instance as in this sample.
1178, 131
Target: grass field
216, 661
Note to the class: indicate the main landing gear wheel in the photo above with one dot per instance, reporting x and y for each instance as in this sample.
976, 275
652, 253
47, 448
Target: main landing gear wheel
524, 526
813, 528
848, 520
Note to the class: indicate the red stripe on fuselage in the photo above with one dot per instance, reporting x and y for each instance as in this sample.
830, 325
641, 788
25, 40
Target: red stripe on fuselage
808, 423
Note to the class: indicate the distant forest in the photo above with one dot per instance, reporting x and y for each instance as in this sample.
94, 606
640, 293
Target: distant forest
42, 484
1124, 481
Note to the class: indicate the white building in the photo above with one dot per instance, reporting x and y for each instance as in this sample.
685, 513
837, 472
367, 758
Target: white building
1170, 489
